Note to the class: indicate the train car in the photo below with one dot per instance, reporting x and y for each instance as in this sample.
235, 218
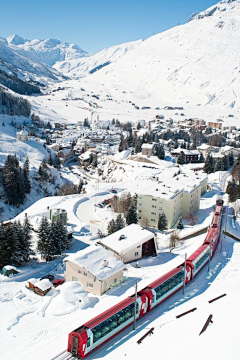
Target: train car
219, 207
97, 331
164, 287
198, 259
212, 238
216, 221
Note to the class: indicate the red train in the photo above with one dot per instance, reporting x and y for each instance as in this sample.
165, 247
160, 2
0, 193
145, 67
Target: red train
102, 328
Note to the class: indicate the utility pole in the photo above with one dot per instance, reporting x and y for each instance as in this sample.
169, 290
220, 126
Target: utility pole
185, 263
135, 307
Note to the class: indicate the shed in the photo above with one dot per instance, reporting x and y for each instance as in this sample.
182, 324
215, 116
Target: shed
131, 243
42, 287
30, 283
8, 270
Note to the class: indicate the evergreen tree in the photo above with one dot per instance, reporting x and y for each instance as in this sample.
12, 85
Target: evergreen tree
231, 159
175, 145
43, 171
120, 224
161, 153
225, 163
209, 164
6, 244
26, 180
181, 158
236, 170
57, 163
218, 165
17, 241
180, 224
232, 191
80, 186
44, 242
131, 217
86, 123
201, 159
49, 161
27, 229
162, 222
13, 181
111, 227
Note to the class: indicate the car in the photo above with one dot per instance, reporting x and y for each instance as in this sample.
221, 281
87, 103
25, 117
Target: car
48, 276
114, 191
58, 282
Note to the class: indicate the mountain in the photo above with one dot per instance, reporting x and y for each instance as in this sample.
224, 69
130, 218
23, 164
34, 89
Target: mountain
16, 62
48, 51
196, 63
80, 67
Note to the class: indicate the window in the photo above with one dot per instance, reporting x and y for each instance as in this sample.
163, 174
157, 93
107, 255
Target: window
160, 208
136, 253
85, 273
88, 342
74, 278
154, 206
153, 213
153, 220
90, 285
154, 199
79, 271
140, 211
140, 204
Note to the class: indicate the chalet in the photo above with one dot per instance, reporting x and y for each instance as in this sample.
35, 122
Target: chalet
190, 156
42, 287
22, 135
147, 149
96, 268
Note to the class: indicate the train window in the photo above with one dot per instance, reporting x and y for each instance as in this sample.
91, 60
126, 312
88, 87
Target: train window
88, 342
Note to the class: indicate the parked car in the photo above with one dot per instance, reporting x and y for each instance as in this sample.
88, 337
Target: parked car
113, 191
58, 282
48, 276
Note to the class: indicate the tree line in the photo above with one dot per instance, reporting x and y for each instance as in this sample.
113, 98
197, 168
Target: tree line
13, 105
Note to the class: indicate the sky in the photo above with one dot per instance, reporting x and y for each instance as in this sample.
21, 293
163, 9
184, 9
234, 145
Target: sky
94, 24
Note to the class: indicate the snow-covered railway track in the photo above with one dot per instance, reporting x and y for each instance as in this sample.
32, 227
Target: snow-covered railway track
65, 355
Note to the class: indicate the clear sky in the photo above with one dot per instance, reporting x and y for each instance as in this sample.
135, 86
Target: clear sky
94, 24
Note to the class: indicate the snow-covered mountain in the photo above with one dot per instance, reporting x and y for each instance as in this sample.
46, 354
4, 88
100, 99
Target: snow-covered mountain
197, 62
16, 61
48, 51
80, 67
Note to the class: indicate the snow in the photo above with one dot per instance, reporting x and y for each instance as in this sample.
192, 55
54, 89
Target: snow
133, 235
92, 259
43, 284
10, 267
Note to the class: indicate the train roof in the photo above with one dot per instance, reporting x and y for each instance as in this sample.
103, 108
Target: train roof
218, 209
212, 232
165, 277
197, 253
106, 314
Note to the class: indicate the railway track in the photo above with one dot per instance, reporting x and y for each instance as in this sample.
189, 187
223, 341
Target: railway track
64, 355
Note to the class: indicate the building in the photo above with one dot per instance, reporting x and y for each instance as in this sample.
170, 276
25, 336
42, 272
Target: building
207, 149
131, 243
190, 156
214, 124
147, 149
96, 268
22, 135
42, 287
59, 214
173, 193
9, 270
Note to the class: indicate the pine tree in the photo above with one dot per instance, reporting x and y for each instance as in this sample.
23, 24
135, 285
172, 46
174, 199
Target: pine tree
225, 163
232, 191
43, 171
6, 244
131, 217
26, 180
181, 158
49, 161
180, 224
218, 165
161, 153
57, 163
111, 227
27, 229
201, 159
13, 181
236, 170
209, 164
17, 257
44, 242
162, 222
231, 159
120, 222
80, 186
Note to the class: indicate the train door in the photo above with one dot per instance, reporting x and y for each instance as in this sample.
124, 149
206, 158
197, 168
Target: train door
74, 345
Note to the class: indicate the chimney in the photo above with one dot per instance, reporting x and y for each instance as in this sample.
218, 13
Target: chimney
105, 263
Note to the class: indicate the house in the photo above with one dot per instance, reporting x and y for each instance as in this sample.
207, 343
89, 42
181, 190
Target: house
147, 149
22, 135
214, 124
96, 268
30, 283
65, 154
207, 149
191, 156
131, 243
8, 270
85, 159
227, 150
42, 287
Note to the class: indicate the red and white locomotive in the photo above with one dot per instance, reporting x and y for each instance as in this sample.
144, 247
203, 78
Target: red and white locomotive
102, 328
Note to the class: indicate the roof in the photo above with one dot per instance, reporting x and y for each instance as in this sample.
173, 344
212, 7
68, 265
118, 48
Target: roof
43, 284
106, 314
23, 132
10, 267
147, 146
185, 151
197, 253
134, 235
92, 259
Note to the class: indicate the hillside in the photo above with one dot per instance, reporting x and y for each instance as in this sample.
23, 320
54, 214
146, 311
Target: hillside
195, 63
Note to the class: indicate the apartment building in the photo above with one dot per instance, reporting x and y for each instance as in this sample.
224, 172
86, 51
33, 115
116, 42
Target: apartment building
174, 194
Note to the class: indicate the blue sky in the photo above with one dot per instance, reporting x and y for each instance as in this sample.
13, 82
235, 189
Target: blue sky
94, 24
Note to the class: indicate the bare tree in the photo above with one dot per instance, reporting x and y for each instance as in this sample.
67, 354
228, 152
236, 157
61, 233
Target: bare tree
145, 223
173, 240
192, 219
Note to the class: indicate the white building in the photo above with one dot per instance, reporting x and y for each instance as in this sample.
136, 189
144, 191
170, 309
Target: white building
131, 243
22, 135
96, 268
173, 193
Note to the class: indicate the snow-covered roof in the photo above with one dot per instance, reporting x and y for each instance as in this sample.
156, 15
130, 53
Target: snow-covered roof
10, 267
185, 151
122, 241
92, 259
23, 132
32, 281
147, 146
43, 284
